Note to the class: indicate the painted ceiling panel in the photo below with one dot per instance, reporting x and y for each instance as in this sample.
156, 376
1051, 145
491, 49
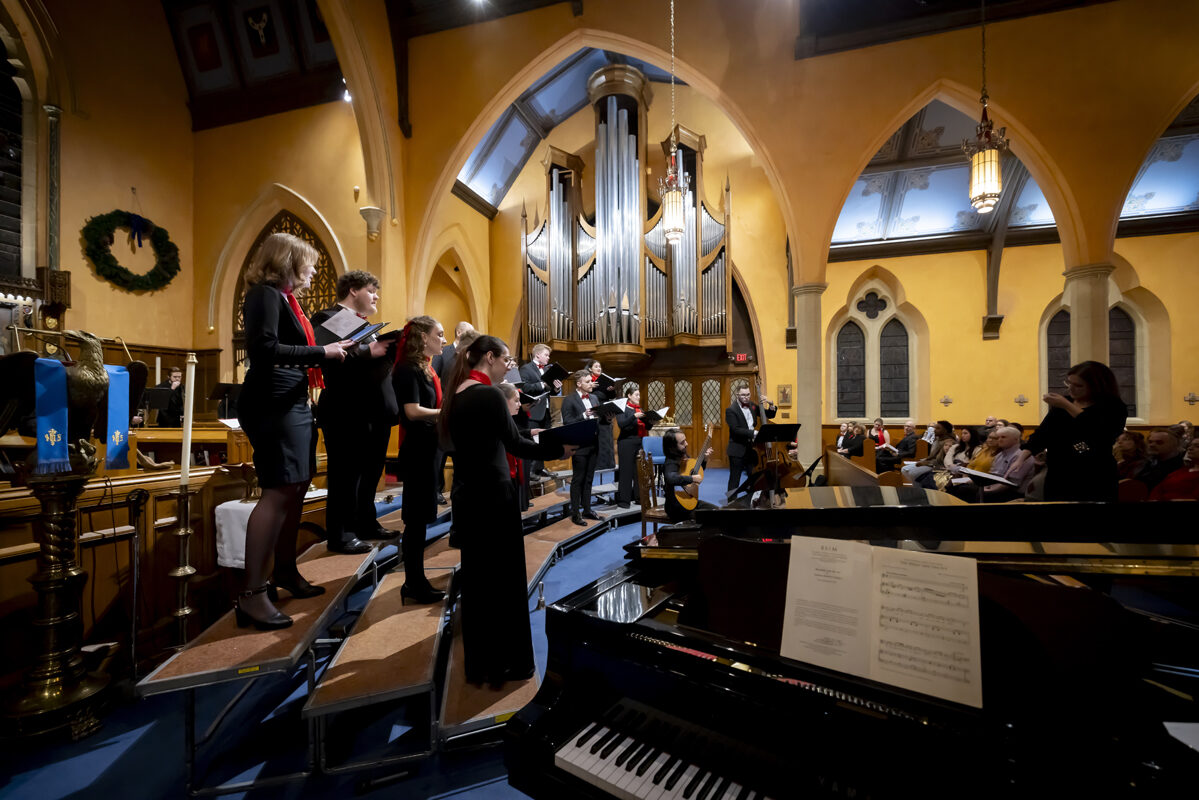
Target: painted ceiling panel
933, 201
1031, 208
942, 129
1169, 179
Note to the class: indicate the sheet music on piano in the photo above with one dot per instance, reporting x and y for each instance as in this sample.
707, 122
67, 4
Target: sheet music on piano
900, 617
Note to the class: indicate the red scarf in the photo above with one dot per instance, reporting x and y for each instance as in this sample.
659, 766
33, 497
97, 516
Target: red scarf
481, 377
514, 467
641, 429
315, 379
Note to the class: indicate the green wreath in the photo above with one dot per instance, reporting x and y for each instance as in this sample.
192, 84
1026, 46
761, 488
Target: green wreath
98, 239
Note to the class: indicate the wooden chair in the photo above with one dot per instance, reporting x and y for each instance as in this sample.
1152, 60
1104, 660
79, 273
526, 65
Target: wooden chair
648, 498
866, 459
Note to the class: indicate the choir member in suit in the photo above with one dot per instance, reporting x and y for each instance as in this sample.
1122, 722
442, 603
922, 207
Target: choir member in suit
418, 395
356, 411
674, 451
276, 415
172, 415
443, 366
539, 414
577, 406
476, 425
628, 444
605, 457
742, 418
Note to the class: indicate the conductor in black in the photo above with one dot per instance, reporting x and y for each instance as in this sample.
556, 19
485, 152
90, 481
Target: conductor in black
741, 417
356, 411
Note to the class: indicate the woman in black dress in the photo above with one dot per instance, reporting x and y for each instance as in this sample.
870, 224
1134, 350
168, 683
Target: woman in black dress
276, 415
477, 428
1077, 435
628, 443
604, 455
418, 393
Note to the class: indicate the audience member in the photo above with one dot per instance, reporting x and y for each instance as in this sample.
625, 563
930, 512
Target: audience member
942, 441
851, 445
1130, 453
841, 434
1006, 463
1078, 433
1185, 432
1181, 484
1163, 455
888, 456
878, 432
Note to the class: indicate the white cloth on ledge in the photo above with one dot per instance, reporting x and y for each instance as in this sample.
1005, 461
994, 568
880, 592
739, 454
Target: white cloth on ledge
231, 519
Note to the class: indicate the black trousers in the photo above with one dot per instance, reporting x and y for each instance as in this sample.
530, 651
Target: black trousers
533, 468
582, 475
626, 451
739, 464
441, 458
356, 450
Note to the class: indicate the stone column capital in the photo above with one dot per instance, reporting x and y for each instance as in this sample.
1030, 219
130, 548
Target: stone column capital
808, 288
1100, 270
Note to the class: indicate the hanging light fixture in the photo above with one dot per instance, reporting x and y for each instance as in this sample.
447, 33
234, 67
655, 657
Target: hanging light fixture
986, 179
671, 186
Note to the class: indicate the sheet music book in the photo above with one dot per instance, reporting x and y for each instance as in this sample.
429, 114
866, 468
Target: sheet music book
900, 617
582, 433
531, 399
614, 407
340, 326
984, 478
554, 372
605, 382
512, 376
653, 416
231, 424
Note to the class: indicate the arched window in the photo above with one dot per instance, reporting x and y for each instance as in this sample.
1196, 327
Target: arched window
10, 170
893, 370
1057, 351
322, 293
851, 371
1122, 354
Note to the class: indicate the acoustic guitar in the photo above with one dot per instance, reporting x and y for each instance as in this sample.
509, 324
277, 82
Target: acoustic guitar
688, 496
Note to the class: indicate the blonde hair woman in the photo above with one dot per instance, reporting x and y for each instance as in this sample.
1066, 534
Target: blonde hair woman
276, 415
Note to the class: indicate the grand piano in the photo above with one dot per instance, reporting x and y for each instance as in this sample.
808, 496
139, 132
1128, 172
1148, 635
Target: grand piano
665, 680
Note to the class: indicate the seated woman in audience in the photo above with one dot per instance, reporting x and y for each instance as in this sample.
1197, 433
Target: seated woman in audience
1078, 433
984, 455
943, 440
851, 445
1181, 484
957, 454
878, 433
1130, 453
1185, 432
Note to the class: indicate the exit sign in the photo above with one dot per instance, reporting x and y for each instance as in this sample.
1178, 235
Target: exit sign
740, 358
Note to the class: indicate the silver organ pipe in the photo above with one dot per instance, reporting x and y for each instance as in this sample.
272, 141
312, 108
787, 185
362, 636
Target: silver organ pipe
618, 229
562, 259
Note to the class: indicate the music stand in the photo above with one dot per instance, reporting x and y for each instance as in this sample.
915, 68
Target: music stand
156, 399
226, 395
777, 433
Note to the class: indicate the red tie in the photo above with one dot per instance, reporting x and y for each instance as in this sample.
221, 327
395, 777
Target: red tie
315, 379
586, 397
360, 316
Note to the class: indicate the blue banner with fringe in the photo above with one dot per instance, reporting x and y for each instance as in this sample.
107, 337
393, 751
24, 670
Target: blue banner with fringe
116, 454
50, 379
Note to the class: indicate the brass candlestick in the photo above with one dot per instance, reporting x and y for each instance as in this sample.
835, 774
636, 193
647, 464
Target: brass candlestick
57, 691
183, 572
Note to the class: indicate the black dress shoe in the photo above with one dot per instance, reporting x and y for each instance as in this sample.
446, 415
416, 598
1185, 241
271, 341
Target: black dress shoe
420, 594
622, 505
379, 533
589, 514
295, 585
441, 501
245, 619
354, 546
577, 519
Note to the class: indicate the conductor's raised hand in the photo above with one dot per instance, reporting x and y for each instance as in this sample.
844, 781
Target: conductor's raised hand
1055, 400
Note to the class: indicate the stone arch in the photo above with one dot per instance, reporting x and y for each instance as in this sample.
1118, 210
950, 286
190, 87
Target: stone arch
270, 201
889, 287
453, 238
1025, 146
534, 69
445, 274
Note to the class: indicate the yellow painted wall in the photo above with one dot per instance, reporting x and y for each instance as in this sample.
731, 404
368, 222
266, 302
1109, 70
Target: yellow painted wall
446, 303
131, 129
315, 153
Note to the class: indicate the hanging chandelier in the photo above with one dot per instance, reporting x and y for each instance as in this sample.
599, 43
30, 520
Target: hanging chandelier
671, 186
986, 178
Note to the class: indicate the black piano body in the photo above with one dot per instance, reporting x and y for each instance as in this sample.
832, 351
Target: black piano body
670, 667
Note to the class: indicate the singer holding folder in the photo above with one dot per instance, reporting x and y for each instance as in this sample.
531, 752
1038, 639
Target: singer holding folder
628, 444
583, 403
355, 411
276, 415
477, 427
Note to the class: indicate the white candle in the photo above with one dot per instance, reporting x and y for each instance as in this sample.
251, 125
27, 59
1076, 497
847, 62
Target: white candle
157, 370
188, 399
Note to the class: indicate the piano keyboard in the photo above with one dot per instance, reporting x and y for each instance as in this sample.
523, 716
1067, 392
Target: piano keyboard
640, 753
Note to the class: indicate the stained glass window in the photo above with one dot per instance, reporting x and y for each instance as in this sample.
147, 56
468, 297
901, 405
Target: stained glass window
851, 371
893, 370
1122, 355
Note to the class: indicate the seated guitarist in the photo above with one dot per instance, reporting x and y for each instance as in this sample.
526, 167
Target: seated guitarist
674, 448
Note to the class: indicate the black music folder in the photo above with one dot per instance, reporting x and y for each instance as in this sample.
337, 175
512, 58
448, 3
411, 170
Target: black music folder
652, 417
345, 324
530, 399
581, 434
512, 376
605, 382
554, 372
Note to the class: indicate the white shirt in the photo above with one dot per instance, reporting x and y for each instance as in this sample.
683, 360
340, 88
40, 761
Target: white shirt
749, 416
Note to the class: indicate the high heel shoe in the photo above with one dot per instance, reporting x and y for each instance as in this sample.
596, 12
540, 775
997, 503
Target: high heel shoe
245, 620
420, 594
294, 584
